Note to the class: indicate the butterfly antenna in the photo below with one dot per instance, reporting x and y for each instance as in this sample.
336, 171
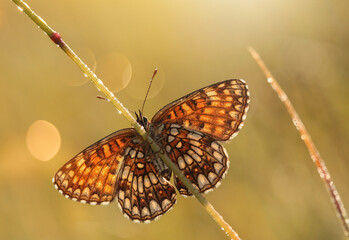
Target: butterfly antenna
146, 95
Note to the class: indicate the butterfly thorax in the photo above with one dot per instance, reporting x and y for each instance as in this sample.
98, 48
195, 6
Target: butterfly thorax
151, 156
142, 120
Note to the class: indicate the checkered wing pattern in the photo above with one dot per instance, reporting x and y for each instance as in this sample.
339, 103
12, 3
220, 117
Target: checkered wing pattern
189, 129
201, 159
91, 175
217, 110
143, 195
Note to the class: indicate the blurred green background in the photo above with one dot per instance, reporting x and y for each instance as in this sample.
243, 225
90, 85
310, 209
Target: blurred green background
272, 190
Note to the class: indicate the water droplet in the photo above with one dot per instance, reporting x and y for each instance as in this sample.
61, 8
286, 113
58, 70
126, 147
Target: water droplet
100, 81
270, 80
85, 75
20, 9
303, 136
295, 122
283, 97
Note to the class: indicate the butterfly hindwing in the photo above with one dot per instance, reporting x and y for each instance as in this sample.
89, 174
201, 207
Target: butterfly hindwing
201, 159
142, 194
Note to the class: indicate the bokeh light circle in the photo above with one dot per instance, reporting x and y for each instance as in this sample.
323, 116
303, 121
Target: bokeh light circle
43, 140
115, 70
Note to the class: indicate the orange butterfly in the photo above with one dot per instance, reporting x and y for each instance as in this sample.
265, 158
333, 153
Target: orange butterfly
188, 130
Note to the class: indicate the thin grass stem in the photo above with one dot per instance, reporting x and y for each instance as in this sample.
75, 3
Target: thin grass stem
314, 153
57, 39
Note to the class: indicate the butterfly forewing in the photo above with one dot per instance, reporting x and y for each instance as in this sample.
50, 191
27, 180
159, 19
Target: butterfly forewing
142, 194
217, 110
91, 175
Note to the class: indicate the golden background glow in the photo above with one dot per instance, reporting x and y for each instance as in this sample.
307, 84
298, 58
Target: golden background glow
272, 190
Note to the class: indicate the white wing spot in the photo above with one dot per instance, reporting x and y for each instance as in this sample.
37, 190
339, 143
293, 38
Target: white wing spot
140, 154
222, 85
135, 211
195, 143
127, 150
194, 136
68, 166
86, 192
218, 156
154, 206
80, 162
71, 173
125, 172
181, 163
140, 165
238, 92
226, 91
215, 146
179, 144
170, 138
197, 150
238, 107
127, 204
165, 203
153, 178
212, 176
174, 131
130, 176
146, 182
168, 148
132, 153
61, 178
217, 167
77, 192
211, 93
140, 184
188, 159
234, 114
194, 156
145, 212
202, 181
134, 184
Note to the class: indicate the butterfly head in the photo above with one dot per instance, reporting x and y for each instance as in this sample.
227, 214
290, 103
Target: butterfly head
142, 120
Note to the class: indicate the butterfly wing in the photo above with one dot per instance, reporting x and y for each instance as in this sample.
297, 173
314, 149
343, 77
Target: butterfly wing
217, 110
201, 159
142, 194
190, 127
91, 175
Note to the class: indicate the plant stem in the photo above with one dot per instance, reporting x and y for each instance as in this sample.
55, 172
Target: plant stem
57, 39
314, 153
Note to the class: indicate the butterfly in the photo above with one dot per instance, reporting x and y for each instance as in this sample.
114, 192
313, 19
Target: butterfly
122, 165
